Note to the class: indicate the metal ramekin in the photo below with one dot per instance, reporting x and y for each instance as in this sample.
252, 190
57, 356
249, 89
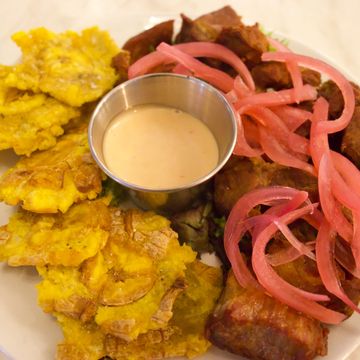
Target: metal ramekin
185, 93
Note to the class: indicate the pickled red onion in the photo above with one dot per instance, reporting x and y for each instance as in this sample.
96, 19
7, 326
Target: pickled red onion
264, 196
242, 147
279, 210
276, 98
236, 226
195, 49
325, 248
298, 245
324, 68
181, 70
292, 67
215, 77
280, 155
291, 116
270, 120
287, 255
280, 289
231, 96
330, 206
241, 89
319, 143
238, 264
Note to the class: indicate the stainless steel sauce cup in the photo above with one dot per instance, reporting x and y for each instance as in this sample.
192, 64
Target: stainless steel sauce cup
185, 93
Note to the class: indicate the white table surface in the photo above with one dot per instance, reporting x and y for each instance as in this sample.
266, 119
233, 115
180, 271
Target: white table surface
329, 26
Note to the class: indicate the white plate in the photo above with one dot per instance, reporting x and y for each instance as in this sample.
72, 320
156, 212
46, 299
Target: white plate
26, 333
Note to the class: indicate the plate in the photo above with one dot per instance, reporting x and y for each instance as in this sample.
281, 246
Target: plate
26, 333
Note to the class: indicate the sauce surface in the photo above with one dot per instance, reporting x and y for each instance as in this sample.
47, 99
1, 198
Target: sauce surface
159, 147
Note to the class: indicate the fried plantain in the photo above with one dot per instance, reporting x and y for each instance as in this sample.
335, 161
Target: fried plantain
62, 291
137, 237
54, 179
125, 278
183, 336
61, 239
73, 68
33, 122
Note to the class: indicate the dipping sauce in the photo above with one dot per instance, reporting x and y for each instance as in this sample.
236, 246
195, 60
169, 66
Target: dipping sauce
159, 147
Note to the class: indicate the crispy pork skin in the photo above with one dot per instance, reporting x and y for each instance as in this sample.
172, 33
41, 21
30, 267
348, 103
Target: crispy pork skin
250, 323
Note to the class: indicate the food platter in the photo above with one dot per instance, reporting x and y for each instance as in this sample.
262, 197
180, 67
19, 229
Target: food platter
27, 333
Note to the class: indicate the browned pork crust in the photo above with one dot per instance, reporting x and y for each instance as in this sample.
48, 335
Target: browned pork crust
146, 42
250, 323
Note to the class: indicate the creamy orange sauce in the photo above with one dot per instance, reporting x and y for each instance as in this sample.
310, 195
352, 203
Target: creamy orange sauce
159, 147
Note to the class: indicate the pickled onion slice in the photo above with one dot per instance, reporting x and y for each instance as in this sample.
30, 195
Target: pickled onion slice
271, 121
215, 77
279, 210
264, 196
241, 89
298, 245
237, 261
325, 248
276, 98
287, 255
319, 143
195, 49
330, 182
181, 70
242, 147
292, 66
278, 154
330, 206
236, 226
324, 68
279, 288
291, 116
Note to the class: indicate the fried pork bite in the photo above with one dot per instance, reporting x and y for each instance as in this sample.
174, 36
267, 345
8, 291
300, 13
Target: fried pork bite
225, 27
121, 63
275, 75
28, 121
248, 322
348, 140
146, 42
61, 239
350, 145
73, 68
243, 174
208, 26
182, 336
52, 180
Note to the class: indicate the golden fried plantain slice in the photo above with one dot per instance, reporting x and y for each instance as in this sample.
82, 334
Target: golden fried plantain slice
63, 292
28, 121
148, 235
61, 239
54, 179
121, 274
183, 336
73, 68
33, 122
82, 341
